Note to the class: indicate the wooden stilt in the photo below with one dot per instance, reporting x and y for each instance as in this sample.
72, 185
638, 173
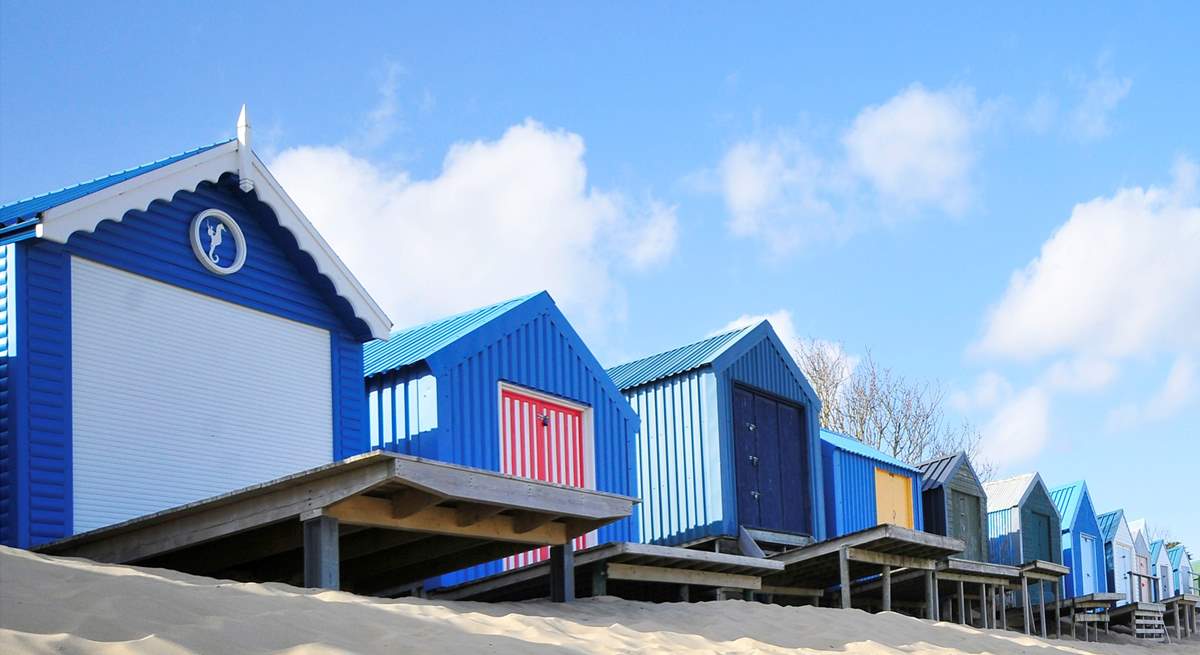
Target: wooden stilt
600, 580
562, 573
887, 588
962, 605
1042, 605
1057, 614
685, 593
1003, 608
937, 599
983, 606
1025, 608
930, 596
1178, 631
321, 558
844, 575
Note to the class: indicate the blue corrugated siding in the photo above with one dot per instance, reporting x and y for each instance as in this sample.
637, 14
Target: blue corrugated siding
7, 474
760, 362
679, 459
850, 491
531, 346
277, 278
1085, 523
1004, 536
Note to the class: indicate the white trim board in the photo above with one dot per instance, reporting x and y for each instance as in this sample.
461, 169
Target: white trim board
84, 214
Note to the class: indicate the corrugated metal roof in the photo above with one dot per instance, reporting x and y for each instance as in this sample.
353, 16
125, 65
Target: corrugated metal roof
1109, 522
411, 345
1067, 499
1155, 549
938, 471
673, 362
1003, 494
850, 444
27, 209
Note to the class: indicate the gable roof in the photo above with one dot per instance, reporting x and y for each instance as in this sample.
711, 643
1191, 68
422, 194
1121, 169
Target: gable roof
939, 471
57, 215
1009, 492
1156, 550
675, 361
1109, 522
1069, 499
27, 210
1176, 556
850, 444
408, 346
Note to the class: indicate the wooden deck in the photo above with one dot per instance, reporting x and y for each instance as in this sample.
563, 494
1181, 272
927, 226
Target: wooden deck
1090, 610
626, 569
969, 592
874, 551
1144, 620
369, 524
1180, 614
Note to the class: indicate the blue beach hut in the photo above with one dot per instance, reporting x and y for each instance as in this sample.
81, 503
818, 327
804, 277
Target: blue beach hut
1120, 555
1181, 570
1160, 563
1082, 541
509, 387
728, 440
865, 487
170, 332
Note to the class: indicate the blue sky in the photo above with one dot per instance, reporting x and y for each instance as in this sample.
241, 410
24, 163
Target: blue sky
1002, 201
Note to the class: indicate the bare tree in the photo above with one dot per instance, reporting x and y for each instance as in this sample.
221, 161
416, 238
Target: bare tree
885, 410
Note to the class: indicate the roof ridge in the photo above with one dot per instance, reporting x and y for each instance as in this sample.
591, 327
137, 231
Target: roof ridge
450, 317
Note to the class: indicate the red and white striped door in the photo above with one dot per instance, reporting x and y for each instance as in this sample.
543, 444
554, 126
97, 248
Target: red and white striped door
543, 440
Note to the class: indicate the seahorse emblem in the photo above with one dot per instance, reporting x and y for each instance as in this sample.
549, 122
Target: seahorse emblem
214, 240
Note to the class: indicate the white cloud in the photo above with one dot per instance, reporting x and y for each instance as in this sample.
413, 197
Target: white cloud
784, 326
1019, 429
1091, 117
1080, 374
1120, 277
989, 390
916, 149
1180, 389
383, 121
502, 218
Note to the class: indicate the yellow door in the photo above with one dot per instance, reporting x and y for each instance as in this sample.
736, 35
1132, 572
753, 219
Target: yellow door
893, 498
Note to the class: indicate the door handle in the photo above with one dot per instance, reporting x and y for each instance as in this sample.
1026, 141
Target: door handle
755, 495
751, 427
754, 460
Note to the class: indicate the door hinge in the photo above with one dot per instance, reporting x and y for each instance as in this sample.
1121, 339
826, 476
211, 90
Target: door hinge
754, 460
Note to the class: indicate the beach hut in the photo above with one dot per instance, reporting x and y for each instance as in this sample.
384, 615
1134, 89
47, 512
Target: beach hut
1023, 524
728, 441
1120, 555
171, 332
1181, 570
509, 387
865, 487
1141, 558
1161, 563
954, 502
1083, 547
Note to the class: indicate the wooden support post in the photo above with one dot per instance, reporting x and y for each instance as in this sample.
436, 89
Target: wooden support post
1004, 608
1042, 605
1025, 608
844, 575
1178, 632
931, 600
600, 580
321, 553
962, 605
984, 590
1058, 613
685, 594
887, 588
1074, 634
562, 573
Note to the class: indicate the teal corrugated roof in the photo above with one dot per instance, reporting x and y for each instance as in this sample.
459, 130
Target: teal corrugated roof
1109, 521
673, 362
1067, 499
850, 444
1175, 555
1155, 549
26, 210
411, 345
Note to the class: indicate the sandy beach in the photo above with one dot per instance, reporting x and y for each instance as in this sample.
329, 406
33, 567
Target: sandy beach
58, 605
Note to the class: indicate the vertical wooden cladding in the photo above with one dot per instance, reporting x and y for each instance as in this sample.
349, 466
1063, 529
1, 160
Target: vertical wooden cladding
544, 440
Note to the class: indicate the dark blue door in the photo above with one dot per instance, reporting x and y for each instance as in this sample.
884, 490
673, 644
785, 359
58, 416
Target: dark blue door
772, 474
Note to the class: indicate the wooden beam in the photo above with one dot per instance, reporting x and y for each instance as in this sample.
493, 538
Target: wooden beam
436, 563
377, 513
888, 559
409, 501
468, 514
526, 521
640, 573
321, 553
791, 591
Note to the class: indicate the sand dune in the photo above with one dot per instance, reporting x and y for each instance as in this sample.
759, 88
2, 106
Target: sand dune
58, 605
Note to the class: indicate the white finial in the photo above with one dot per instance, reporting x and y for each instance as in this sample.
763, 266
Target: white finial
246, 182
